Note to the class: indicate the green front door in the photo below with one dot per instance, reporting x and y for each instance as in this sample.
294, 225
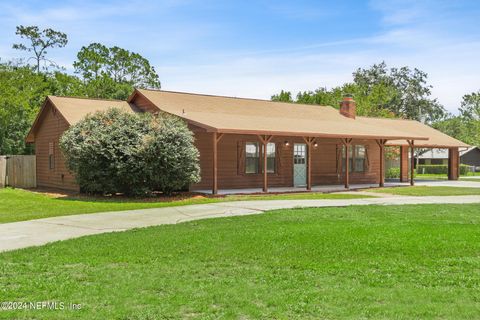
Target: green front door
299, 164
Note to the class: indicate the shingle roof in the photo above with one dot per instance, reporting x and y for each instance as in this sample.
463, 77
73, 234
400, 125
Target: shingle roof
75, 109
240, 115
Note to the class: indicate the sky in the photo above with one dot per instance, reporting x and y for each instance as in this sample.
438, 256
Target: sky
256, 48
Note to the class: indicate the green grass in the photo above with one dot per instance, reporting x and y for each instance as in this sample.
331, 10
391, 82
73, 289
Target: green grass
422, 191
471, 176
20, 205
382, 262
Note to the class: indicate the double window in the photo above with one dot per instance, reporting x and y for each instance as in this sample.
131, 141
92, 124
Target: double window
356, 158
252, 157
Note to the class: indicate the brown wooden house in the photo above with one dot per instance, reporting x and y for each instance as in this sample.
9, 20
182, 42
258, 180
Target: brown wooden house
250, 143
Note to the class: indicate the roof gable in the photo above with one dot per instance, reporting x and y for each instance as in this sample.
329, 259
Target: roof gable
73, 109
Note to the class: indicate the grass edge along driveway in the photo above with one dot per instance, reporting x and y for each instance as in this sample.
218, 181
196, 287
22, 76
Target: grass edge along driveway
411, 261
22, 205
423, 191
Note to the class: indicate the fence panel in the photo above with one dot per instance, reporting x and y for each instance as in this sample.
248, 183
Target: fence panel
3, 171
20, 172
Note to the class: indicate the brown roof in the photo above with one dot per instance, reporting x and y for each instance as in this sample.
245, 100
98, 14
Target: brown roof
239, 115
74, 109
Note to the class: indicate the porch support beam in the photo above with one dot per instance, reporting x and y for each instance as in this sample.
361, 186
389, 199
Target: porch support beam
381, 145
265, 139
216, 137
411, 143
347, 142
310, 141
453, 164
403, 163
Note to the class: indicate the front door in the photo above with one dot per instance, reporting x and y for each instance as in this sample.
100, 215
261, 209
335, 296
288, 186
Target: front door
299, 165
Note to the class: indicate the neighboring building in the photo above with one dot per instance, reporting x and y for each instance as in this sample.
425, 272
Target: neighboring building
299, 145
469, 156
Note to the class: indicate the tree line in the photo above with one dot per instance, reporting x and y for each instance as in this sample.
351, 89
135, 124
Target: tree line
100, 72
398, 93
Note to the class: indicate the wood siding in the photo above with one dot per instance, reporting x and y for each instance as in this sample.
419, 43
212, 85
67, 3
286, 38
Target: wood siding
471, 158
324, 163
49, 132
144, 104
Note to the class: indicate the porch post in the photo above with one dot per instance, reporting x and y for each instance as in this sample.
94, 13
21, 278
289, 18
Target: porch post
309, 141
265, 176
265, 140
381, 145
453, 164
403, 164
347, 143
216, 138
214, 184
412, 164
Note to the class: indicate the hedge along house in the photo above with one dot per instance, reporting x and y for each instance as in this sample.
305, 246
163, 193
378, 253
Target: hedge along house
250, 143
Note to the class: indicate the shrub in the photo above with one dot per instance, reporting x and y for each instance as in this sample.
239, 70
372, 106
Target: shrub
440, 169
392, 173
119, 152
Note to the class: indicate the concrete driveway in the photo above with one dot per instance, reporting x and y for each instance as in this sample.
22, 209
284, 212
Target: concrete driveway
24, 234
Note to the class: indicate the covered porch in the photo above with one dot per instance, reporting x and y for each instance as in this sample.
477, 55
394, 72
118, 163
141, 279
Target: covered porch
298, 163
316, 157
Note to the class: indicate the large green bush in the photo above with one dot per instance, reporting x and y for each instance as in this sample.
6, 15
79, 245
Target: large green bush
439, 169
118, 152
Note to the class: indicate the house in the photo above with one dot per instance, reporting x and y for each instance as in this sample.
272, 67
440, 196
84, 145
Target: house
251, 143
468, 156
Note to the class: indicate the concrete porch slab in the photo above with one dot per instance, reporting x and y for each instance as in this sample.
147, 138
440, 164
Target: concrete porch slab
341, 188
322, 188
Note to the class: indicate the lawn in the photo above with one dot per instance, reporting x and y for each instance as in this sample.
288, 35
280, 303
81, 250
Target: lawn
19, 205
471, 176
383, 262
422, 191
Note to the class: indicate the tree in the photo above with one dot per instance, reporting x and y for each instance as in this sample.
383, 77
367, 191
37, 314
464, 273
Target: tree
412, 97
22, 92
113, 71
117, 152
91, 60
283, 96
40, 41
381, 92
470, 106
466, 126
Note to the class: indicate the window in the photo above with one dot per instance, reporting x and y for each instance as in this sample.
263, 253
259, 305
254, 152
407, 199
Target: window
51, 156
299, 153
251, 157
357, 155
350, 156
270, 157
359, 158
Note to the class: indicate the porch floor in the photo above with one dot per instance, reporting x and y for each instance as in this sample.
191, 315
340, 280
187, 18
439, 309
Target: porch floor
321, 188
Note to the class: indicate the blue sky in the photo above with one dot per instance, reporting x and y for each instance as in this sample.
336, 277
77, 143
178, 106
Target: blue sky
255, 48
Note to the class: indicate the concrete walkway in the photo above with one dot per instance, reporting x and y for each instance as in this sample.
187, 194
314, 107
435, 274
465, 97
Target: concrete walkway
24, 234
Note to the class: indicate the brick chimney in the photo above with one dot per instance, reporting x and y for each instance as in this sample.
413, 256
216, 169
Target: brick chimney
348, 107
